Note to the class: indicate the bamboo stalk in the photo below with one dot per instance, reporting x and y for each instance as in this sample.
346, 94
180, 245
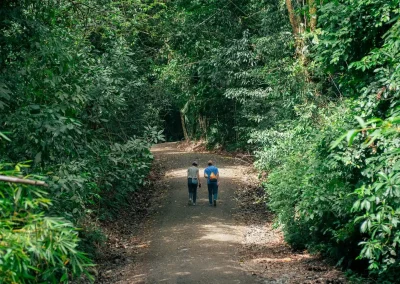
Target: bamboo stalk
24, 181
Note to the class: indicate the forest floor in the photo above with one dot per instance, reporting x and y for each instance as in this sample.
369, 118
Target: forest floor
234, 242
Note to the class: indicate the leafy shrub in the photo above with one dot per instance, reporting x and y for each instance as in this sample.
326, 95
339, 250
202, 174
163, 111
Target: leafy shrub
307, 190
76, 99
377, 207
342, 200
35, 247
343, 203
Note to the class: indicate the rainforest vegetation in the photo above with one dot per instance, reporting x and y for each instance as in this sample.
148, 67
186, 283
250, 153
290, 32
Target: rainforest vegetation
311, 88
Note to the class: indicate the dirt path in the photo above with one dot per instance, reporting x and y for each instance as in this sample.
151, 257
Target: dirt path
195, 244
231, 243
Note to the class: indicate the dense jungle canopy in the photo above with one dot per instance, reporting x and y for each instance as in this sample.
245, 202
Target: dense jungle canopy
311, 88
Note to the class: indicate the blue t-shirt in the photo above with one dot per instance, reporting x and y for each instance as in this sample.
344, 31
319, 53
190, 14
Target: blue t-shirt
209, 170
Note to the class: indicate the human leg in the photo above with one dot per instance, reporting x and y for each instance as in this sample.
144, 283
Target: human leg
215, 192
194, 194
190, 193
210, 193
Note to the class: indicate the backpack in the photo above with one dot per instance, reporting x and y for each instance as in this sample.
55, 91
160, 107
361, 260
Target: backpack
213, 177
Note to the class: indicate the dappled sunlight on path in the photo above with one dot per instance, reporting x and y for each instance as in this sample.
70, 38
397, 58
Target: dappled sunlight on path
194, 244
234, 242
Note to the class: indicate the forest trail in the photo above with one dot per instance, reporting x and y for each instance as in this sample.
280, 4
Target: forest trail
193, 244
234, 242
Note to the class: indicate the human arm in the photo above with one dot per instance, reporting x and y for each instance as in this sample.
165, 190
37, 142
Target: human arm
205, 174
198, 177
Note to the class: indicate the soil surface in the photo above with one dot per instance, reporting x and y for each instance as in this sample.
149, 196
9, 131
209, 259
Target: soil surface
233, 242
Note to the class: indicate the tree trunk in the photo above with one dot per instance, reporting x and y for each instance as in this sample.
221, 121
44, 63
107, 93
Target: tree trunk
203, 126
185, 134
298, 29
294, 19
313, 14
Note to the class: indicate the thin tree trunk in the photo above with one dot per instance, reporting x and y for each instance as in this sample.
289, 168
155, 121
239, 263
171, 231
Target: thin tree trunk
202, 125
23, 181
298, 29
185, 134
313, 14
294, 21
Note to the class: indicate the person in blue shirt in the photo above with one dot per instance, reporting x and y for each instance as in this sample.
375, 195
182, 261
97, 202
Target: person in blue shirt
211, 173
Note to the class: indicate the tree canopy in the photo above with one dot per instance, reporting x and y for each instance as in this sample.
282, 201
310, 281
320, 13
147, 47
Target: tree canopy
311, 88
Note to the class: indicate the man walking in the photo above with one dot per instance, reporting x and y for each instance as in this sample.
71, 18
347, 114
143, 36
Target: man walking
211, 173
193, 181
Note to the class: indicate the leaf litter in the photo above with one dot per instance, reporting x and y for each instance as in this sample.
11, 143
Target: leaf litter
265, 253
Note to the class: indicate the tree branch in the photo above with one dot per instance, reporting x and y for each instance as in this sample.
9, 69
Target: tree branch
24, 181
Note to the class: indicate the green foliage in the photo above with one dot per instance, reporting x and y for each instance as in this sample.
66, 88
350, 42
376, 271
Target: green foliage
377, 207
102, 180
225, 66
85, 87
35, 247
239, 85
336, 197
77, 98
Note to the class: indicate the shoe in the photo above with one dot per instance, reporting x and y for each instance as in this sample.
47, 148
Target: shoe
190, 202
210, 204
194, 204
215, 203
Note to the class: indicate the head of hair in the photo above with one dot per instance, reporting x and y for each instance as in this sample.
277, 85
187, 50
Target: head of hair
194, 163
210, 163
